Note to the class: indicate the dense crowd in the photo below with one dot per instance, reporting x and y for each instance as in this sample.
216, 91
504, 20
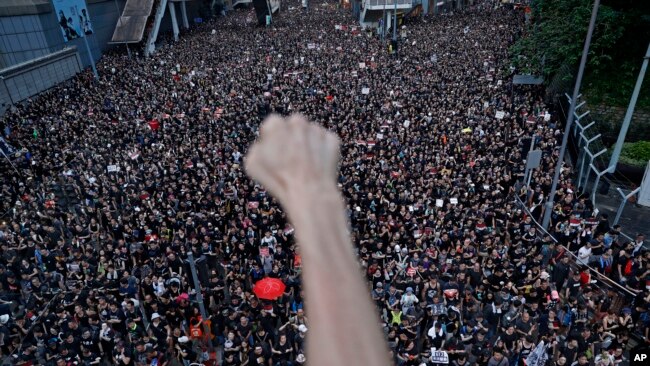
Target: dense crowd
120, 178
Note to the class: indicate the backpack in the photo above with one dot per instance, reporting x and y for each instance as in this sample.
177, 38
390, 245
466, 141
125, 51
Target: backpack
566, 316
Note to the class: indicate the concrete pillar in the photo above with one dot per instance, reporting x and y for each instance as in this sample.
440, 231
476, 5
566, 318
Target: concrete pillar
389, 22
172, 13
186, 24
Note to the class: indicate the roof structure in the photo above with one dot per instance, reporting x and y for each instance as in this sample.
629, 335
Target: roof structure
130, 27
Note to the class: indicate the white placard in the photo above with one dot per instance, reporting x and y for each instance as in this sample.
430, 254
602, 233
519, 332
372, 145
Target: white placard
380, 136
500, 114
112, 168
454, 201
547, 117
311, 46
439, 203
486, 105
365, 91
439, 357
269, 76
362, 65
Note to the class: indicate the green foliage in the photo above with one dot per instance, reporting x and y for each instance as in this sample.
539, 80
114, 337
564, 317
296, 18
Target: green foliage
635, 154
556, 35
615, 86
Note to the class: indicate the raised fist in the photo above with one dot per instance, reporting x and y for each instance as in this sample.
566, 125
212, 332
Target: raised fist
293, 157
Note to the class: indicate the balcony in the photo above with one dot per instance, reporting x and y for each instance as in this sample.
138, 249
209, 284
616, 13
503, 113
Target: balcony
387, 4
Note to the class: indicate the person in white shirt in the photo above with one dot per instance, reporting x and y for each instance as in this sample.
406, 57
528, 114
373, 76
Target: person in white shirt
269, 240
638, 244
408, 301
584, 253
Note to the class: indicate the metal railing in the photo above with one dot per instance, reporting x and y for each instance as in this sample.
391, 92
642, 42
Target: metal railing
591, 156
541, 232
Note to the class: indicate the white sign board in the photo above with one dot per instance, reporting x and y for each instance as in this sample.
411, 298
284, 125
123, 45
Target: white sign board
112, 168
500, 114
439, 357
365, 91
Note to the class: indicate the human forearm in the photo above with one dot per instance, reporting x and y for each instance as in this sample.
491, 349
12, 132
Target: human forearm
297, 162
342, 335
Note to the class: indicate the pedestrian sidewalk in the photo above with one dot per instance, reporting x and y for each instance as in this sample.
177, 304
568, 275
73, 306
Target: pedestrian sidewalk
635, 218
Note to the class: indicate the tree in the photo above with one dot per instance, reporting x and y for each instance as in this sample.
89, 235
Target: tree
556, 35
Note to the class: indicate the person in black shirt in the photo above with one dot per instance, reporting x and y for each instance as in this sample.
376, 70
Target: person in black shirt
68, 354
160, 330
231, 360
89, 357
561, 272
257, 357
185, 352
497, 280
116, 318
122, 356
282, 350
244, 329
139, 353
262, 337
88, 341
573, 285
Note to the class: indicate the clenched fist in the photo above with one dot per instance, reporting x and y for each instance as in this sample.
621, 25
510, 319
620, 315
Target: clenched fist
293, 157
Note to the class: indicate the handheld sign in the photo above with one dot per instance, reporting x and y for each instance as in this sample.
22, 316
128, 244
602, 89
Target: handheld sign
439, 357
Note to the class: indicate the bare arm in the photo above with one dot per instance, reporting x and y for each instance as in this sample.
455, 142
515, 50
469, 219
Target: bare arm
297, 162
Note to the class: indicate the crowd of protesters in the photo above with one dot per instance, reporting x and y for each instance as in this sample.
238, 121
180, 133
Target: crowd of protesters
120, 178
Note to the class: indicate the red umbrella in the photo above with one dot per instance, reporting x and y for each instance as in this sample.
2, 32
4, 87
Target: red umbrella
269, 288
